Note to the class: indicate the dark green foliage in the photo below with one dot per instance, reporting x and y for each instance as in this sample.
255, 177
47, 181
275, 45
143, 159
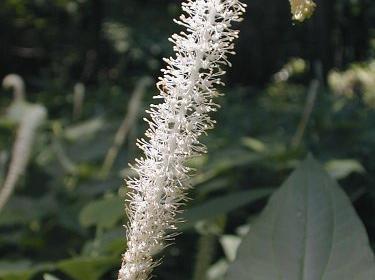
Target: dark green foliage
66, 217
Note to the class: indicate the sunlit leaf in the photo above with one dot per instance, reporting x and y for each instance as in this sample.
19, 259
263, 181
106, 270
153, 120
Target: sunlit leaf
49, 277
254, 144
230, 244
309, 230
85, 129
340, 169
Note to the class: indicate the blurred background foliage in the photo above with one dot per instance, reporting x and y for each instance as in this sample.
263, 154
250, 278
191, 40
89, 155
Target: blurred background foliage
293, 88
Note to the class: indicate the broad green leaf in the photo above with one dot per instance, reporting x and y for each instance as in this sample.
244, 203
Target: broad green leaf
87, 141
49, 277
341, 168
214, 185
86, 268
84, 151
224, 162
21, 270
104, 213
308, 231
254, 144
222, 205
16, 270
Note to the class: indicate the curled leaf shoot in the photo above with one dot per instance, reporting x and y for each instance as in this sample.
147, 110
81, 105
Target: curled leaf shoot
29, 117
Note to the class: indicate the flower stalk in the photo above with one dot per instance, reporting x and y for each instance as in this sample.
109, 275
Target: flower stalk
187, 90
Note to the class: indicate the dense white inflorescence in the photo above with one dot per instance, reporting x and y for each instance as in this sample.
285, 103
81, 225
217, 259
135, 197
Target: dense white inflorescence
187, 89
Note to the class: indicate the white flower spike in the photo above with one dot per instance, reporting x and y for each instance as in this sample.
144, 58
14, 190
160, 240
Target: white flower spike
187, 90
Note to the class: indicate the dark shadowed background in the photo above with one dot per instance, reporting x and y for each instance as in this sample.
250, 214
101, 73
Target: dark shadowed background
84, 60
